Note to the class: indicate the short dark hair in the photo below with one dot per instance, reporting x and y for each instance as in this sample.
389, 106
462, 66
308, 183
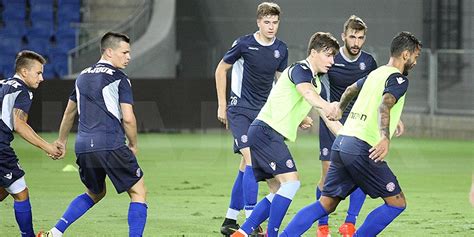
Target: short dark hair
268, 8
404, 41
25, 58
356, 23
112, 40
322, 41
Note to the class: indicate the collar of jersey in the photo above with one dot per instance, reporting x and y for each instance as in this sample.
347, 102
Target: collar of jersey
260, 42
103, 61
341, 51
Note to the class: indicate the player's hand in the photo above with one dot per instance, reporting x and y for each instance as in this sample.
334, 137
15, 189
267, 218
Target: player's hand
334, 112
62, 147
380, 150
53, 151
222, 115
134, 149
306, 123
400, 129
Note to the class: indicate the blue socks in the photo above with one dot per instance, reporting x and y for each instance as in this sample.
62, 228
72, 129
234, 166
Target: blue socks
323, 220
137, 213
250, 190
236, 197
357, 199
24, 218
280, 205
304, 219
377, 220
76, 209
259, 214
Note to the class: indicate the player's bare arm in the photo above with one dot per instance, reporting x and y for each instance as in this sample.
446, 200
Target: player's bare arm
350, 93
129, 124
400, 128
221, 83
66, 124
21, 127
322, 106
380, 150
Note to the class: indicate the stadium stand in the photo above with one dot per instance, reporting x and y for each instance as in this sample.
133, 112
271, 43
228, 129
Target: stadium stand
44, 26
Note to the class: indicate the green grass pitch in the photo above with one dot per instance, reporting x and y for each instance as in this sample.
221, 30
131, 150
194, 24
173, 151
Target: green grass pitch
189, 177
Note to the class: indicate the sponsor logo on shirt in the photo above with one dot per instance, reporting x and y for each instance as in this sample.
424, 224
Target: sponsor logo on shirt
273, 165
8, 176
400, 80
98, 70
339, 65
253, 48
276, 53
355, 115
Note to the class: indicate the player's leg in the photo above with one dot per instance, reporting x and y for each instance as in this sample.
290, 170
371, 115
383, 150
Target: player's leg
326, 138
338, 184
262, 209
137, 211
249, 184
93, 178
377, 181
22, 207
3, 194
382, 216
123, 170
238, 124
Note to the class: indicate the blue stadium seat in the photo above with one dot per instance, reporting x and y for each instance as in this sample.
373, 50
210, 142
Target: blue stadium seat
45, 2
7, 64
14, 11
60, 2
42, 12
13, 29
41, 28
39, 45
66, 38
10, 44
48, 71
69, 13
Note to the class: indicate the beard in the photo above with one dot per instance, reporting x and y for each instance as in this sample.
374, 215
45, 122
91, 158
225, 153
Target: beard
407, 67
350, 52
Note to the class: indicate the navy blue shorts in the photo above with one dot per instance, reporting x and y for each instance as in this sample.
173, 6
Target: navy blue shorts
239, 122
10, 169
326, 139
349, 171
119, 165
270, 154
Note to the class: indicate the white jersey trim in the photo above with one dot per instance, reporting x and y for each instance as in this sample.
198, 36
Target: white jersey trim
111, 99
237, 76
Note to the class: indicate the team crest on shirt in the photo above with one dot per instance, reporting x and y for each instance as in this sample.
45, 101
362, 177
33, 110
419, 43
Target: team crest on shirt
276, 53
290, 164
138, 173
362, 66
244, 138
273, 165
325, 151
390, 187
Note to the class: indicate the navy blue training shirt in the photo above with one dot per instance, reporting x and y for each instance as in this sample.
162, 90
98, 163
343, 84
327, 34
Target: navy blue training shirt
98, 92
13, 94
253, 71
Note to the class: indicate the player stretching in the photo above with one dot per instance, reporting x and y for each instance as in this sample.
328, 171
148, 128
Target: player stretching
358, 153
103, 99
256, 61
350, 65
288, 105
16, 99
